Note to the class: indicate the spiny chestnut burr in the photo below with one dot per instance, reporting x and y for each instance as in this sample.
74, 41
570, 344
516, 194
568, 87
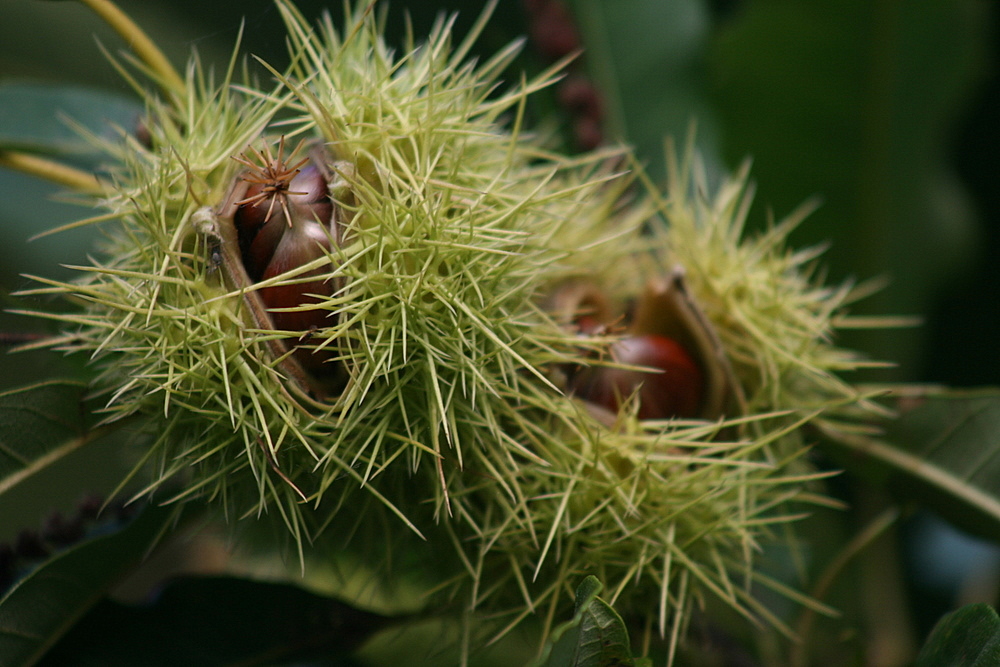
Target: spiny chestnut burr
285, 220
672, 386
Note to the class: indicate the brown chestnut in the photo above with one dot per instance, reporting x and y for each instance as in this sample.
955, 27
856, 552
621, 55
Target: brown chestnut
271, 208
672, 386
300, 244
285, 220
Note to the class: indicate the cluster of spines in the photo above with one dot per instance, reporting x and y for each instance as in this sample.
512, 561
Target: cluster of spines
450, 421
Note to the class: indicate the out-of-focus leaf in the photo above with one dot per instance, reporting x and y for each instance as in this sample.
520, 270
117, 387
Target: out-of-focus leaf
969, 637
595, 637
219, 621
47, 119
647, 59
855, 101
44, 605
39, 118
944, 452
39, 425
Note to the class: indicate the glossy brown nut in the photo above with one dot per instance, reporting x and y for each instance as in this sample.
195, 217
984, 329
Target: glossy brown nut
673, 386
257, 247
271, 208
284, 220
309, 191
300, 244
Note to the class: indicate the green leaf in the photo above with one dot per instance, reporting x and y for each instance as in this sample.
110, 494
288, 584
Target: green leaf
856, 102
222, 621
42, 607
969, 636
39, 118
39, 425
596, 637
647, 59
943, 452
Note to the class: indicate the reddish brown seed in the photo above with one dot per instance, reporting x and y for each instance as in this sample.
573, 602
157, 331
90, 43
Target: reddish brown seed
671, 388
286, 220
309, 191
300, 244
270, 209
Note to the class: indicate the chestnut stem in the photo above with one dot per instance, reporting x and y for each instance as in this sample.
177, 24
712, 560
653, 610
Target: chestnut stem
50, 170
139, 42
